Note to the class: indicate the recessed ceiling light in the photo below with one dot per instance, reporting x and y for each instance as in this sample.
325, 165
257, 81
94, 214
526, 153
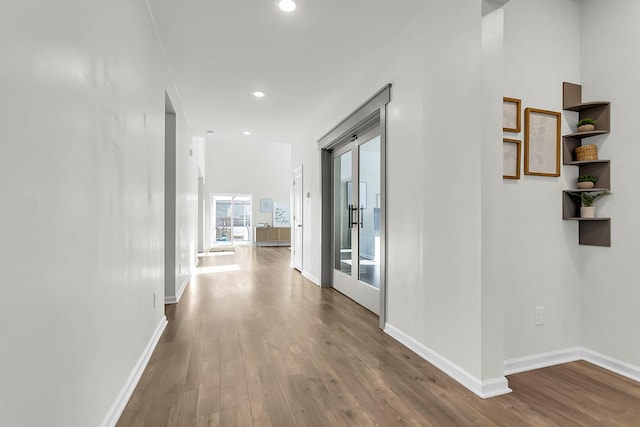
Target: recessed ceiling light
246, 132
258, 94
287, 5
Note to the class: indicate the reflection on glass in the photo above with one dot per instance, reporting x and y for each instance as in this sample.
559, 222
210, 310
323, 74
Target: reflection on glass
369, 210
232, 219
241, 219
223, 219
342, 199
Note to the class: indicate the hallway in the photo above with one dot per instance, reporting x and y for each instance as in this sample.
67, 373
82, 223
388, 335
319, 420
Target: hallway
253, 343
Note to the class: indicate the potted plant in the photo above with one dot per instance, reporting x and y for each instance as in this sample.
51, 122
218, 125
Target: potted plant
587, 181
587, 198
586, 125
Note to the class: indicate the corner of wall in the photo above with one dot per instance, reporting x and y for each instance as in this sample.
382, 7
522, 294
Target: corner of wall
116, 409
483, 388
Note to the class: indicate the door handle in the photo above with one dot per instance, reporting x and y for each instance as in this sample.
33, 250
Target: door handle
361, 217
351, 210
354, 213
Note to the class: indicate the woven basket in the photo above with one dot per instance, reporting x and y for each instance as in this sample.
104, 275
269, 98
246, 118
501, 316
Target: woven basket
587, 152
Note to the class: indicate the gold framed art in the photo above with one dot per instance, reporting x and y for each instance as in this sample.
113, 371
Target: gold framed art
511, 115
511, 158
541, 142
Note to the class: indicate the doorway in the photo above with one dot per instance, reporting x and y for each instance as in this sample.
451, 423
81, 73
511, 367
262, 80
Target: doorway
171, 264
297, 218
356, 218
231, 222
353, 175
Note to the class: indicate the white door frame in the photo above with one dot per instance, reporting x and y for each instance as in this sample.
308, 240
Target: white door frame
298, 199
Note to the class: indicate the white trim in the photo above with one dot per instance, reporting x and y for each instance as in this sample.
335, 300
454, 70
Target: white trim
182, 288
542, 360
485, 389
308, 276
112, 417
176, 299
609, 363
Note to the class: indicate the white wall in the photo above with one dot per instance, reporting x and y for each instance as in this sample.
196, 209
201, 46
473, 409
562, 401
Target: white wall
200, 154
541, 259
307, 154
433, 178
609, 279
492, 203
186, 204
81, 174
260, 169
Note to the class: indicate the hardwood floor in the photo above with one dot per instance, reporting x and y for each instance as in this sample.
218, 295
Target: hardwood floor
252, 343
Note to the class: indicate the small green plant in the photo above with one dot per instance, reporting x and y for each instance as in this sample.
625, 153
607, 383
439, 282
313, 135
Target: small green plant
586, 121
587, 178
587, 198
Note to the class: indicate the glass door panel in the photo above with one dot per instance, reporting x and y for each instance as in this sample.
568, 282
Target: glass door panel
232, 220
241, 219
343, 203
369, 212
222, 226
356, 220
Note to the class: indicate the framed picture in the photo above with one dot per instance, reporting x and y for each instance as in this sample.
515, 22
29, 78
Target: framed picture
541, 142
266, 205
281, 214
510, 158
511, 115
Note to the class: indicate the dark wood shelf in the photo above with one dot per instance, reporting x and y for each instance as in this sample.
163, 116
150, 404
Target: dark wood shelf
571, 206
581, 135
586, 162
577, 218
601, 169
595, 233
586, 106
591, 231
587, 190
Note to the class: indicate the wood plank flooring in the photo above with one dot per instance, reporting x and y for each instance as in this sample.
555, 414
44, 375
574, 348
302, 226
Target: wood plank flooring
252, 343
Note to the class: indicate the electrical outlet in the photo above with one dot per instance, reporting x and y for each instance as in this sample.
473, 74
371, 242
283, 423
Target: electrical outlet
539, 316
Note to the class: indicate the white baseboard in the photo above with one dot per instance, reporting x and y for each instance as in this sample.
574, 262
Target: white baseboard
112, 417
614, 365
542, 360
308, 276
183, 286
181, 289
485, 389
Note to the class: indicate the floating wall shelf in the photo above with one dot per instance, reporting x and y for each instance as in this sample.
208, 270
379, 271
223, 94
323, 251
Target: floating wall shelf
591, 231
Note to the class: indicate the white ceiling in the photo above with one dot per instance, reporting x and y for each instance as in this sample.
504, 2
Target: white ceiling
220, 52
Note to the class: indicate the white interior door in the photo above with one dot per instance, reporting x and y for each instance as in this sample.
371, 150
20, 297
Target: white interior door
356, 220
297, 218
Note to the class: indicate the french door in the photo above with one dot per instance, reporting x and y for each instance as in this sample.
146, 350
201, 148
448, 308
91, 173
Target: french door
231, 220
356, 172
